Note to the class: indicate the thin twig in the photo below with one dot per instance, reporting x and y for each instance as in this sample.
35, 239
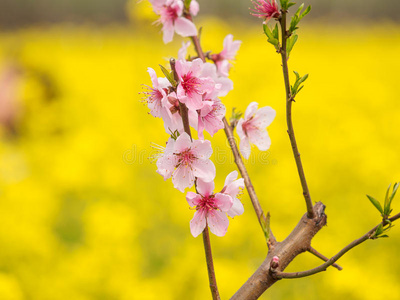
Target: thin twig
323, 257
206, 238
210, 265
334, 258
289, 100
243, 171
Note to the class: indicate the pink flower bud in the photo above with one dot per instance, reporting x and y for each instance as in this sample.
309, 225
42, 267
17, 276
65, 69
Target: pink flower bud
274, 262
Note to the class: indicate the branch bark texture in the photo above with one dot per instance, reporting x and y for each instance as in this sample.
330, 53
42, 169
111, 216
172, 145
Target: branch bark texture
298, 241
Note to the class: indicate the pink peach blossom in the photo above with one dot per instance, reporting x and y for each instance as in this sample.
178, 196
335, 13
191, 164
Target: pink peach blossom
210, 117
171, 17
184, 159
251, 129
156, 95
192, 87
223, 85
172, 116
265, 9
183, 51
210, 209
233, 187
228, 53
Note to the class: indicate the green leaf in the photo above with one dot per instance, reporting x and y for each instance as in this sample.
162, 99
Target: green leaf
376, 204
395, 187
299, 10
174, 134
265, 224
187, 3
389, 199
304, 78
386, 207
379, 230
275, 32
236, 115
295, 89
168, 75
290, 43
383, 236
305, 13
284, 4
271, 39
290, 4
299, 89
297, 17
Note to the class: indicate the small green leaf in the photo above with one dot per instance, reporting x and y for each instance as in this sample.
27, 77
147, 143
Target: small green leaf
299, 10
376, 204
265, 224
290, 4
168, 75
175, 134
304, 78
305, 13
383, 236
299, 89
275, 32
389, 199
379, 230
290, 43
297, 17
395, 187
271, 39
236, 115
187, 3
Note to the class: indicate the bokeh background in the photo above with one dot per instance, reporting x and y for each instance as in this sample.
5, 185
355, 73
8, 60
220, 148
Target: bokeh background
84, 215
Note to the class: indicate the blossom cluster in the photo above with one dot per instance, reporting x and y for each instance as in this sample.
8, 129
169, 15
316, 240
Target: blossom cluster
193, 88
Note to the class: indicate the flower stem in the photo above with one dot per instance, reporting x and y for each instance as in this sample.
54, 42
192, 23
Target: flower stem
206, 238
210, 265
289, 101
243, 171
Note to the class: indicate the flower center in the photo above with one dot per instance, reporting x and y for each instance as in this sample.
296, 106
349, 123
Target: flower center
207, 203
185, 158
169, 13
190, 84
248, 125
152, 94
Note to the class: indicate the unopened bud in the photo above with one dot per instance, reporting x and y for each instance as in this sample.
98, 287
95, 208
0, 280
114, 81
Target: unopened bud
274, 262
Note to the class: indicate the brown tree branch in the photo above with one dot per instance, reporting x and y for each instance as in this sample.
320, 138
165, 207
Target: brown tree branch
289, 100
323, 257
298, 241
334, 258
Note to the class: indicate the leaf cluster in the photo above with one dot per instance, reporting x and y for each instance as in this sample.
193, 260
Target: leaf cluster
273, 36
385, 210
285, 4
297, 18
296, 88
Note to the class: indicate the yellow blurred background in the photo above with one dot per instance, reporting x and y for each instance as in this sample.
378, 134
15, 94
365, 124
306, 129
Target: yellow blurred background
84, 215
